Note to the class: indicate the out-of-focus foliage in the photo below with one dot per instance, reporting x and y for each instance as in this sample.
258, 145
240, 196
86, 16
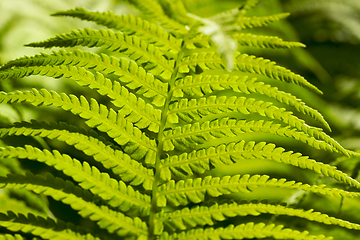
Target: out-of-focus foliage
22, 21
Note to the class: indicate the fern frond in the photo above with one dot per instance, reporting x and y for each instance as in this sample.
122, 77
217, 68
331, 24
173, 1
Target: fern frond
134, 76
245, 39
44, 228
135, 109
251, 40
195, 109
200, 85
135, 143
11, 237
140, 51
121, 164
194, 190
129, 24
245, 63
203, 215
250, 22
244, 231
73, 196
153, 10
199, 161
198, 133
116, 193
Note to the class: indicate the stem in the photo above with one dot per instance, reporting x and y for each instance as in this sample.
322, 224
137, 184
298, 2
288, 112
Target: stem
159, 152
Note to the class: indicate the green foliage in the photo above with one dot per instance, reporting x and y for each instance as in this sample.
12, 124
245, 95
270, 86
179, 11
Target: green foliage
165, 108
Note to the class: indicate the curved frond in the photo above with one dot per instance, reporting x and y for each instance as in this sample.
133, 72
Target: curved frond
116, 193
135, 109
129, 73
120, 163
250, 22
199, 161
193, 190
77, 199
135, 143
198, 133
244, 231
140, 51
129, 24
195, 109
44, 228
202, 215
200, 85
245, 63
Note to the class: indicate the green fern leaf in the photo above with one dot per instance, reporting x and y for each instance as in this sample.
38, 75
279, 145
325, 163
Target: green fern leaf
121, 164
135, 109
129, 24
245, 231
251, 40
245, 39
186, 164
11, 237
194, 190
245, 63
44, 228
189, 218
196, 109
200, 85
193, 134
250, 22
129, 72
140, 51
117, 194
97, 115
66, 192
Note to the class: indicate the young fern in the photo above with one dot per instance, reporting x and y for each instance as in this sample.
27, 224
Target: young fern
176, 113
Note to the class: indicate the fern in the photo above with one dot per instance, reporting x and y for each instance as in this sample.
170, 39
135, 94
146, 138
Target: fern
169, 118
200, 216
